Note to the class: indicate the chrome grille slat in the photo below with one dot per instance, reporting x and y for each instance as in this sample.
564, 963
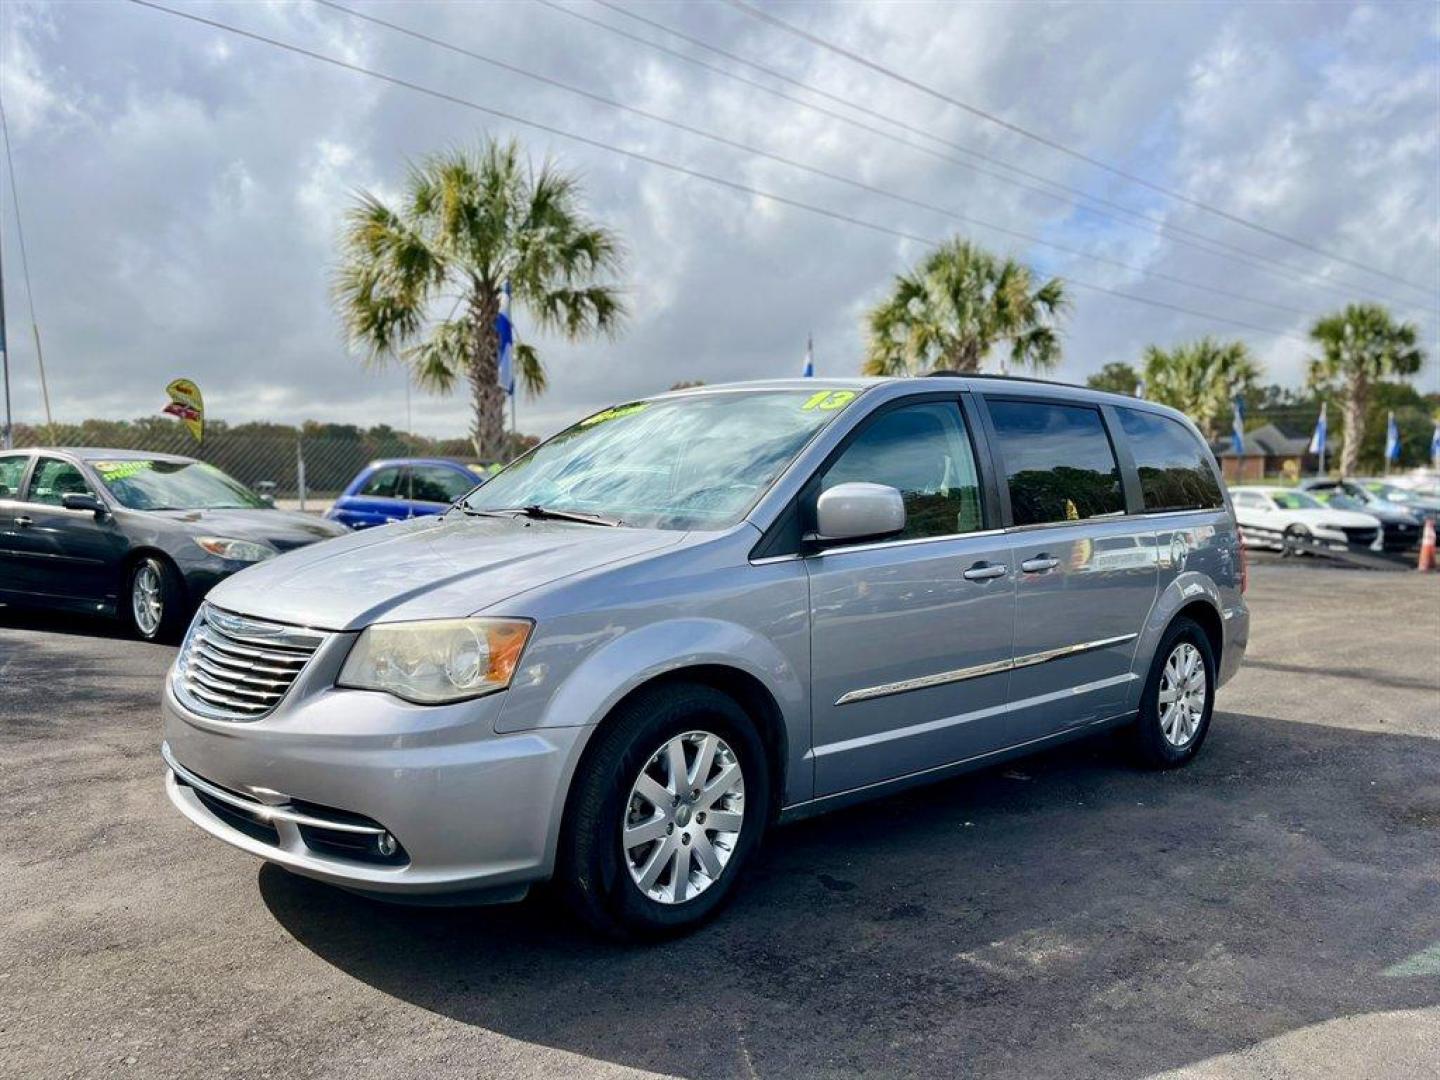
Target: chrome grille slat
197, 674
236, 668
213, 668
235, 649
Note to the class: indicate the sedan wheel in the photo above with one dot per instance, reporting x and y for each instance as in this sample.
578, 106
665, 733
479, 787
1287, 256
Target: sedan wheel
147, 598
683, 817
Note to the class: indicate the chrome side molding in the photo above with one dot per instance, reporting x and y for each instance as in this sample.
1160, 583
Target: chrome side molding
979, 671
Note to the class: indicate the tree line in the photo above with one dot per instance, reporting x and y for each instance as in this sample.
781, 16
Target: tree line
471, 223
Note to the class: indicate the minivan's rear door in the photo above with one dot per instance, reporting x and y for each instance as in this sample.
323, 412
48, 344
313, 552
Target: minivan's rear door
911, 636
1086, 572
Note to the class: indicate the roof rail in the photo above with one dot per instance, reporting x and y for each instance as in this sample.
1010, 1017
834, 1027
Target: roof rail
943, 373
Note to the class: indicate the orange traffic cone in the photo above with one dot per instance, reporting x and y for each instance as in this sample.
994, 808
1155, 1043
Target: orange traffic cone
1427, 546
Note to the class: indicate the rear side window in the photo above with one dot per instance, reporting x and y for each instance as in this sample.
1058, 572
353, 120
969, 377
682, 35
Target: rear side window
922, 451
11, 470
382, 483
433, 483
1058, 461
1175, 472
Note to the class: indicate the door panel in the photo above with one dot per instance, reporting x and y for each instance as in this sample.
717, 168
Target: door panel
12, 481
905, 613
1085, 570
66, 553
1094, 601
909, 655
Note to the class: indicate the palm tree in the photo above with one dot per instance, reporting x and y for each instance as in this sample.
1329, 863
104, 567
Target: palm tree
956, 306
420, 283
1359, 346
1201, 379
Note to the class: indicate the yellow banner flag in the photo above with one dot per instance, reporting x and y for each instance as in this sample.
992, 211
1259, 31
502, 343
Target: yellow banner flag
187, 404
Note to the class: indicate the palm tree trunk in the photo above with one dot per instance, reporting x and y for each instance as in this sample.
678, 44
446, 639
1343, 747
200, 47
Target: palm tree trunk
1357, 394
963, 356
487, 429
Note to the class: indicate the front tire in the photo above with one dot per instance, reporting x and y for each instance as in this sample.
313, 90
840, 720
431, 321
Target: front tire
1296, 539
666, 814
1178, 699
155, 606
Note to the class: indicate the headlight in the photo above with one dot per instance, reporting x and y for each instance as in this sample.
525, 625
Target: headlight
235, 550
432, 662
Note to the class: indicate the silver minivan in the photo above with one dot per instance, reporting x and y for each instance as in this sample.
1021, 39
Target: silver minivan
687, 618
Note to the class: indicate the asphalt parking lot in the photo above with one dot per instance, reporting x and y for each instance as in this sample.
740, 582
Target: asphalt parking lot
1271, 911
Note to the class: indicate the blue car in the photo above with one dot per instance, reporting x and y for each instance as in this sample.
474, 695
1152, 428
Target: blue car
401, 488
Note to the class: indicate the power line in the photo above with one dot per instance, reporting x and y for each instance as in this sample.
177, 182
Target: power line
1054, 144
1077, 196
813, 170
683, 170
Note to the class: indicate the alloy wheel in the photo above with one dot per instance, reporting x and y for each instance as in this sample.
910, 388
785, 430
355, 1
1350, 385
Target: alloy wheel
1182, 695
683, 817
147, 599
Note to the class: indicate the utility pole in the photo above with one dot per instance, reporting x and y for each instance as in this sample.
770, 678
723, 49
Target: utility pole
7, 442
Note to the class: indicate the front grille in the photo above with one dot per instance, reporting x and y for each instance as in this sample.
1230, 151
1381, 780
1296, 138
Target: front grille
1363, 535
236, 668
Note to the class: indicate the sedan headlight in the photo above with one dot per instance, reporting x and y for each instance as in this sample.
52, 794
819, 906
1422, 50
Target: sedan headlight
439, 661
235, 550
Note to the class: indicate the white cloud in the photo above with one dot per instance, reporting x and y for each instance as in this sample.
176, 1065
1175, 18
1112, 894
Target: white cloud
183, 188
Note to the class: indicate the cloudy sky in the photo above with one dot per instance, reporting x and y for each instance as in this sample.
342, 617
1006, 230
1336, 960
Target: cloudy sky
181, 186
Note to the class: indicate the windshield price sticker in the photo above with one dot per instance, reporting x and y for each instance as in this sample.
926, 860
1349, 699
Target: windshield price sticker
111, 471
829, 399
614, 414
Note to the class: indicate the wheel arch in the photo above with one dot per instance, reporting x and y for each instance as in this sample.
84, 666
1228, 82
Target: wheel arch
143, 551
1193, 596
740, 686
1207, 617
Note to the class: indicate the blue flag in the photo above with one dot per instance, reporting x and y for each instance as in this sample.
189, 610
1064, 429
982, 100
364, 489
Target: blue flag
1392, 439
505, 330
1317, 441
809, 372
1237, 427
1435, 444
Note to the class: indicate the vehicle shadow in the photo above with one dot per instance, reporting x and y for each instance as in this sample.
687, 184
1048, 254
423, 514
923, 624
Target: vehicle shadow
60, 622
1063, 915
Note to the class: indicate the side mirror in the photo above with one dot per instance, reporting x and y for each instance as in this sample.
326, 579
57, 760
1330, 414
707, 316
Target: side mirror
78, 500
859, 512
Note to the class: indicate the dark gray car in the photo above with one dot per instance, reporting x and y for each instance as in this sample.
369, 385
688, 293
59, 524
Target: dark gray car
131, 534
684, 618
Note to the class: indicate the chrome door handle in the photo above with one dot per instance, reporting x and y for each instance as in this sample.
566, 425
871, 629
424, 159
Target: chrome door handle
24, 521
1039, 563
983, 571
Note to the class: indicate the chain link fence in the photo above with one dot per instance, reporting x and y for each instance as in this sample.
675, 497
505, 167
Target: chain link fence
311, 463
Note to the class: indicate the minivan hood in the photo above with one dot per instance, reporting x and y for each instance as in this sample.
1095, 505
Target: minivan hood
281, 529
436, 567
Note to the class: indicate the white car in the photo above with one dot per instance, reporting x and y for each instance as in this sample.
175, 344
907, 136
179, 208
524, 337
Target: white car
1284, 518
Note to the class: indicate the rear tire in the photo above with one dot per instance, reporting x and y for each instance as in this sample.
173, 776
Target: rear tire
155, 606
710, 824
1178, 699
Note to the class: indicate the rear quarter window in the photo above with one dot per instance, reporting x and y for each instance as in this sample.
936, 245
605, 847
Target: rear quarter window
1175, 469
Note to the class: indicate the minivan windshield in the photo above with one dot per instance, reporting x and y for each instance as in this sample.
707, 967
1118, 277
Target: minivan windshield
697, 461
156, 484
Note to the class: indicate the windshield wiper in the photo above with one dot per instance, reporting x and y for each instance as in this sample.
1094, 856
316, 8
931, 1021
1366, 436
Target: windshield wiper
547, 513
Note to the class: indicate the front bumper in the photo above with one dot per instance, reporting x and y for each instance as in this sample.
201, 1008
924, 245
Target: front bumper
313, 786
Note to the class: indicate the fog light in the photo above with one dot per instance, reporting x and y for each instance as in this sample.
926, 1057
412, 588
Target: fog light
387, 844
